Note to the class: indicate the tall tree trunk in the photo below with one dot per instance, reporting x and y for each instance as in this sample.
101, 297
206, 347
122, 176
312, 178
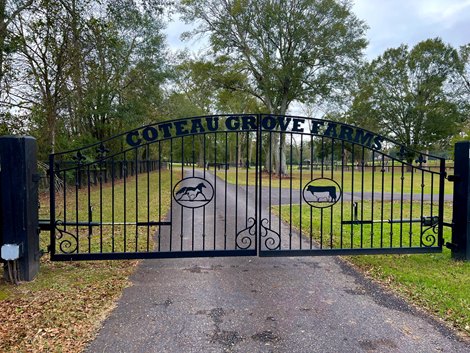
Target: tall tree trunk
276, 154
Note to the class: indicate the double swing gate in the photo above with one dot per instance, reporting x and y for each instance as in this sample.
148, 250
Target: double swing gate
239, 185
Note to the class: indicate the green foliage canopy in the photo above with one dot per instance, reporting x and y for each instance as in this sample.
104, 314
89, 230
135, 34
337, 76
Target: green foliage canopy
406, 94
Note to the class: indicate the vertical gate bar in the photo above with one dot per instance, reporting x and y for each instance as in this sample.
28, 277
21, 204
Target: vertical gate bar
270, 173
432, 195
181, 207
192, 229
411, 205
147, 153
322, 175
125, 201
113, 175
136, 199
89, 208
372, 200
301, 189
215, 187
362, 195
300, 194
321, 228
442, 175
401, 202
332, 178
159, 171
65, 199
431, 211
192, 210
391, 202
77, 176
258, 184
332, 157
100, 165
290, 192
422, 203
322, 156
52, 191
248, 144
382, 203
236, 186
225, 191
194, 156
352, 193
171, 196
204, 207
280, 187
342, 196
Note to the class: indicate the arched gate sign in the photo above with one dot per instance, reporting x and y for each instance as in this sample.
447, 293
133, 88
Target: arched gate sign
234, 185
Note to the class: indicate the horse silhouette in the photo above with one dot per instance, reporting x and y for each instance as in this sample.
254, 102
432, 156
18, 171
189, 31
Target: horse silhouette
191, 192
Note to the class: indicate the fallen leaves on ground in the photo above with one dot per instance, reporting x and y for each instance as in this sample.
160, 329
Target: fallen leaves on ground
63, 308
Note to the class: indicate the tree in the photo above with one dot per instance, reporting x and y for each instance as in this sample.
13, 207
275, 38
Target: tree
83, 69
461, 83
43, 37
300, 50
406, 95
9, 11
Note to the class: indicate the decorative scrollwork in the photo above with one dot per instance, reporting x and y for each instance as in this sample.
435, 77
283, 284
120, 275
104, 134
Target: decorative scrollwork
245, 237
272, 239
66, 245
429, 234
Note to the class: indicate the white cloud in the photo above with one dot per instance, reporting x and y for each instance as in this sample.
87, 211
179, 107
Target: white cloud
393, 22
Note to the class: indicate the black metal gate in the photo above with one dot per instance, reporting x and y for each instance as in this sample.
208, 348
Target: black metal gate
234, 185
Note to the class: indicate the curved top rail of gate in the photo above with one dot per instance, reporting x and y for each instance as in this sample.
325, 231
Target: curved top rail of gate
201, 125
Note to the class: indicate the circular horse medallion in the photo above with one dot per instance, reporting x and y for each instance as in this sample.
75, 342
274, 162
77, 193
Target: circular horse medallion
322, 192
193, 192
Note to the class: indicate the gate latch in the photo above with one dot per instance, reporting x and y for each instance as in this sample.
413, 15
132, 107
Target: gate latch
429, 221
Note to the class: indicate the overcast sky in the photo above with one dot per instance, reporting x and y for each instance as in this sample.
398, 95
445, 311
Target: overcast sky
391, 23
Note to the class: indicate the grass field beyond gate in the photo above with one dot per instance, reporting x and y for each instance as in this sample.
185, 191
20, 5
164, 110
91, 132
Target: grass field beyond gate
367, 181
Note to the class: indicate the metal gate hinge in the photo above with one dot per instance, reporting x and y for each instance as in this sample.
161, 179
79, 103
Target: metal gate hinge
453, 178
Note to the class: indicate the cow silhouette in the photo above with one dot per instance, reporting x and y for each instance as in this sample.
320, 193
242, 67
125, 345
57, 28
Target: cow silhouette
330, 190
191, 192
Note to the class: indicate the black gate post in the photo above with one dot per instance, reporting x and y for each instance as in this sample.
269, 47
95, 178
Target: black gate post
461, 206
19, 205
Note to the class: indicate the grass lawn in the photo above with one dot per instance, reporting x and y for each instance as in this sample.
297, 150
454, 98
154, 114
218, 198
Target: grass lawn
368, 180
434, 282
131, 200
61, 310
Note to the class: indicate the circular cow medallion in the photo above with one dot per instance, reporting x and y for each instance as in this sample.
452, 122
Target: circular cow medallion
322, 192
193, 192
